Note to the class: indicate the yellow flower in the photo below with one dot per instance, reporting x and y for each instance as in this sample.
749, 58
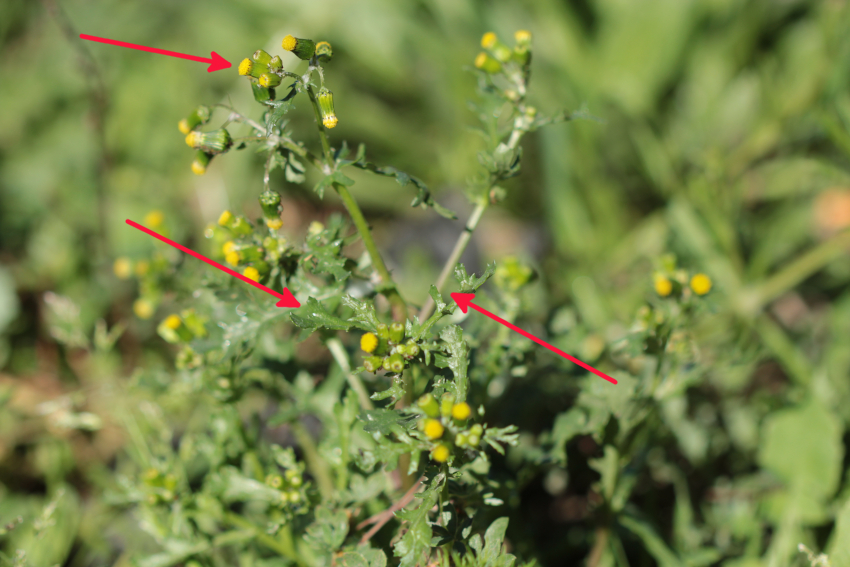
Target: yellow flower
251, 273
122, 268
288, 43
184, 127
433, 428
246, 66
143, 308
198, 168
228, 247
232, 258
274, 224
369, 342
154, 219
225, 218
522, 36
701, 284
461, 411
488, 40
194, 138
329, 121
663, 286
172, 322
440, 453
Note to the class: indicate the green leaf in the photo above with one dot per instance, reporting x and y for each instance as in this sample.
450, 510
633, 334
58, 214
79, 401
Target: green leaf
386, 421
294, 170
423, 196
567, 425
312, 315
329, 180
839, 544
364, 313
176, 551
456, 359
415, 545
493, 538
469, 283
328, 531
803, 447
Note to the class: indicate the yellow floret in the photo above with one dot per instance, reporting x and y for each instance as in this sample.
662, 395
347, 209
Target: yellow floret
246, 66
154, 219
488, 40
122, 268
183, 126
264, 80
228, 247
701, 284
288, 43
225, 218
274, 224
329, 121
251, 273
433, 429
369, 342
172, 322
663, 286
461, 411
198, 168
440, 453
232, 258
522, 36
480, 60
193, 139
143, 309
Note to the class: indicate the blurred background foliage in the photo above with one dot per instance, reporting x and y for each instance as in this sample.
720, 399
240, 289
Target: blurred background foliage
725, 139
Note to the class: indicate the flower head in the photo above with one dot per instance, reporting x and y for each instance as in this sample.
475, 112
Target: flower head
143, 308
488, 40
663, 286
122, 268
433, 429
701, 284
324, 51
461, 411
172, 322
251, 273
301, 48
154, 219
369, 342
225, 218
441, 453
246, 66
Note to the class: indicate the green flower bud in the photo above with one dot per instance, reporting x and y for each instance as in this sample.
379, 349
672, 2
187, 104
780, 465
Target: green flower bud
396, 332
251, 253
477, 430
474, 440
394, 363
293, 496
429, 405
241, 226
270, 203
373, 363
200, 163
326, 106
412, 348
487, 64
199, 117
214, 142
276, 64
461, 439
262, 57
301, 48
400, 349
274, 480
447, 402
324, 52
262, 94
382, 331
268, 80
294, 478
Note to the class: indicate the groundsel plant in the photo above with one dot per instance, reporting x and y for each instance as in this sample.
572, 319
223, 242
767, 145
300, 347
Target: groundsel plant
304, 463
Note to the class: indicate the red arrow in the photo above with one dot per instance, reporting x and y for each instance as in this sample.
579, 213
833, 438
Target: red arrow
286, 298
464, 301
216, 61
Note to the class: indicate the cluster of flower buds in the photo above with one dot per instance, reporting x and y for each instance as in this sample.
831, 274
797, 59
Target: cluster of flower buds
290, 485
265, 73
207, 144
158, 487
496, 54
388, 349
445, 424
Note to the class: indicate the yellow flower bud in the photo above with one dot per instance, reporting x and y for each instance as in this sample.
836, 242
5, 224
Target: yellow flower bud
246, 66
369, 342
143, 308
701, 284
440, 453
663, 286
200, 163
251, 273
154, 219
488, 40
184, 127
433, 429
301, 48
461, 411
122, 268
172, 322
228, 247
225, 218
232, 258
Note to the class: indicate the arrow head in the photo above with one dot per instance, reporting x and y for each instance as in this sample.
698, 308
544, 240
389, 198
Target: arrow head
287, 300
218, 63
463, 300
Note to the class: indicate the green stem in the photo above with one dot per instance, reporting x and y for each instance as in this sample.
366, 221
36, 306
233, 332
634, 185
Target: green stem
284, 547
338, 352
317, 465
388, 287
454, 257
